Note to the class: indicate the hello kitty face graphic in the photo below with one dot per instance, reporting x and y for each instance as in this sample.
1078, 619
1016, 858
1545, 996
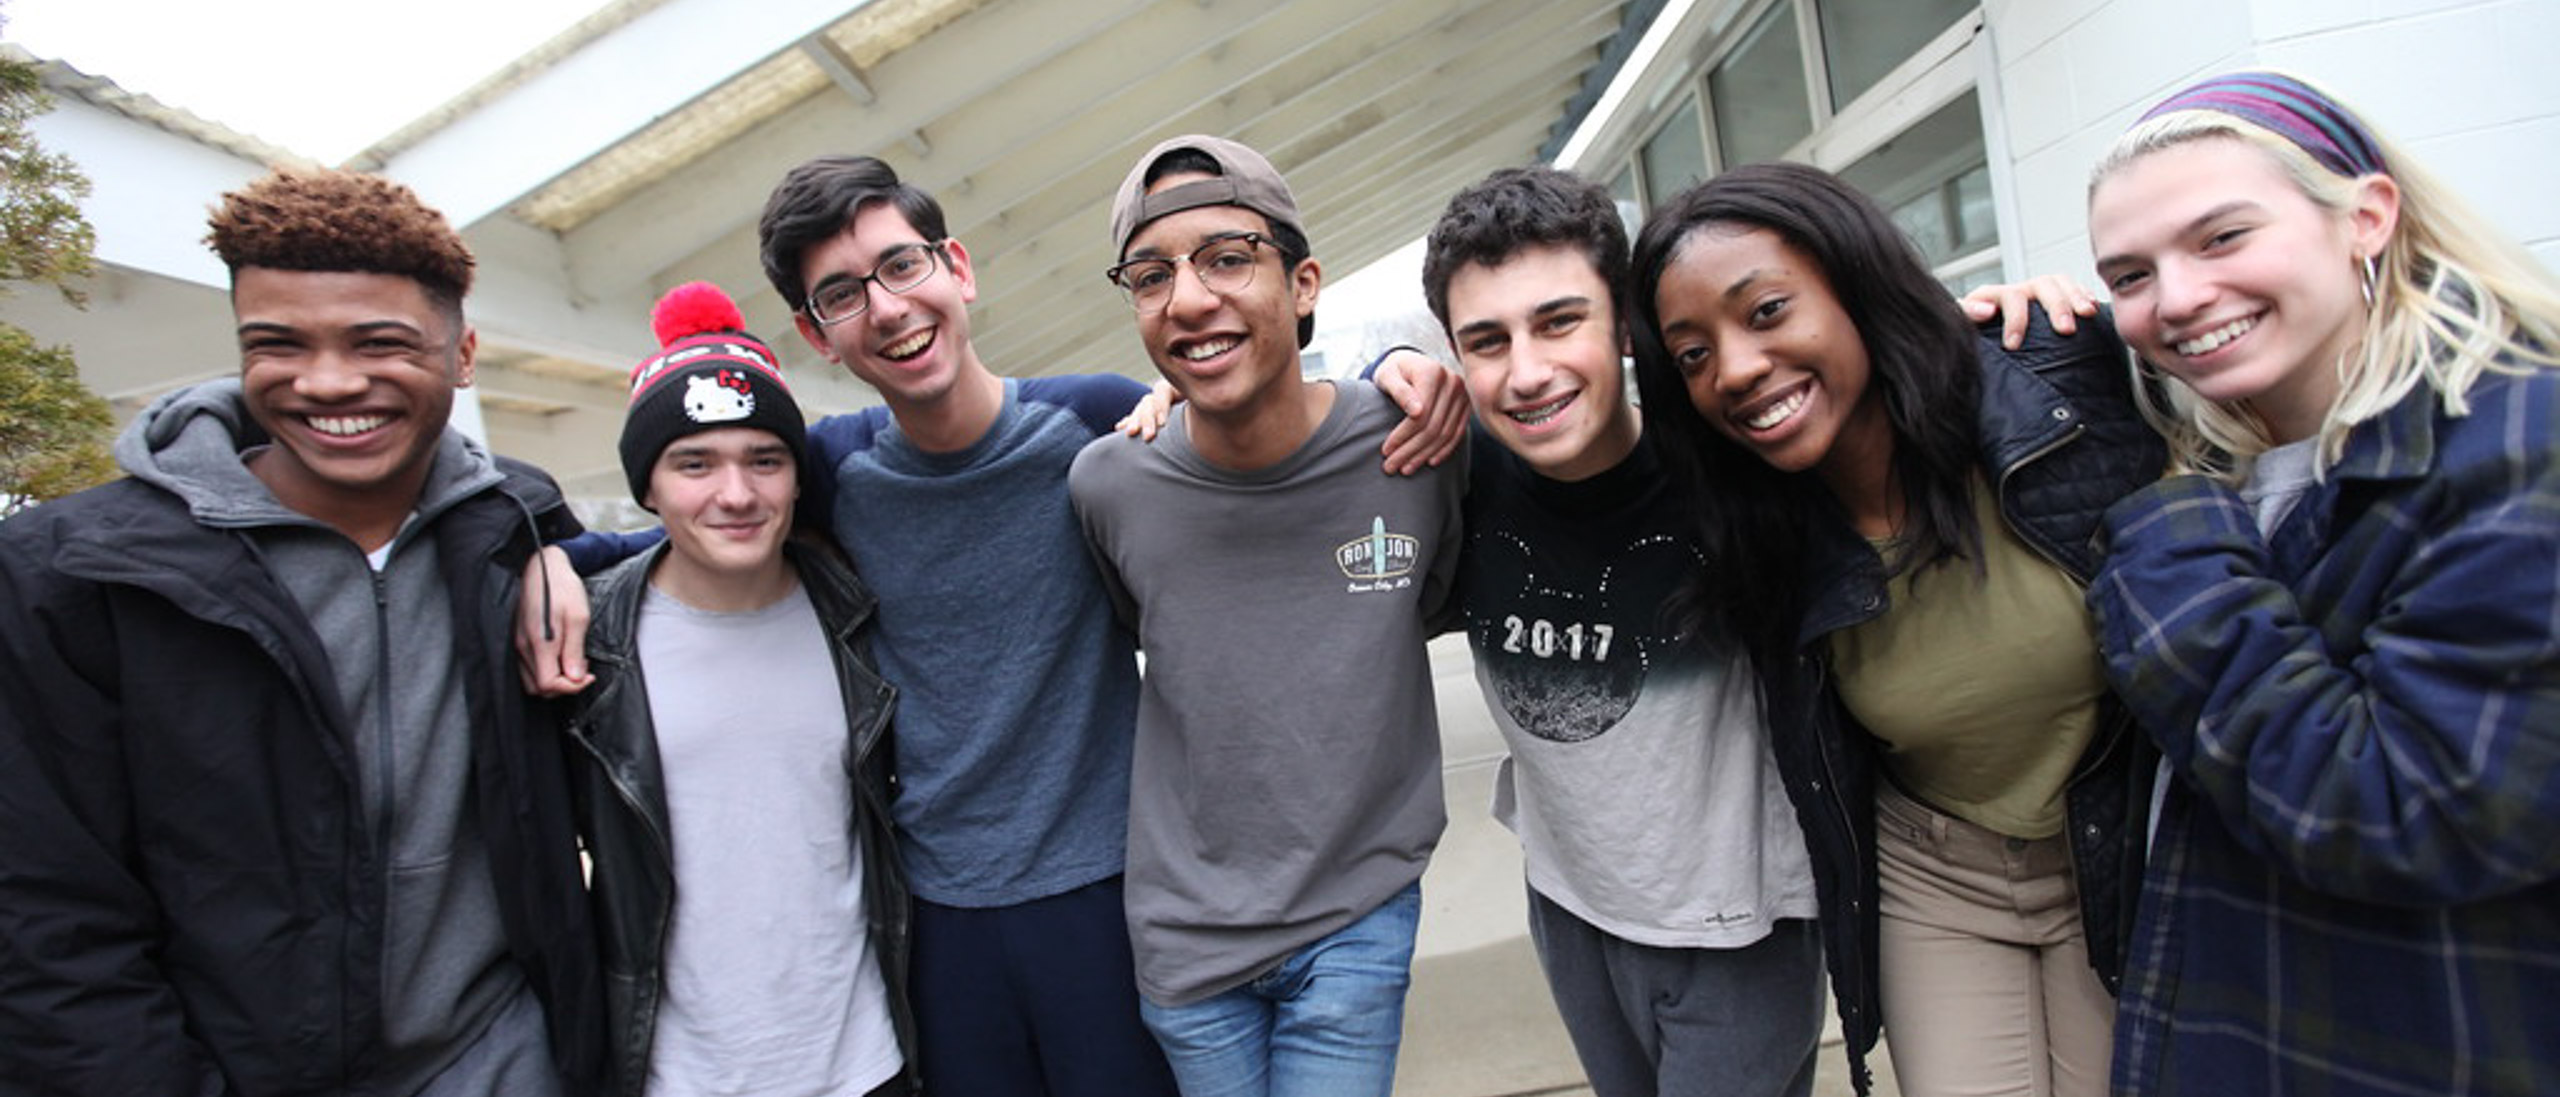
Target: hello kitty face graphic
723, 397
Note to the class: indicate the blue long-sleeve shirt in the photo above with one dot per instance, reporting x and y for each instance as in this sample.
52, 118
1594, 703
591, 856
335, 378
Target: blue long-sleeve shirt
2356, 886
1018, 692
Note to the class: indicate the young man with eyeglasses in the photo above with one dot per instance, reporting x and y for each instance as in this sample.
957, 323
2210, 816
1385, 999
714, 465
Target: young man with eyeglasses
1286, 788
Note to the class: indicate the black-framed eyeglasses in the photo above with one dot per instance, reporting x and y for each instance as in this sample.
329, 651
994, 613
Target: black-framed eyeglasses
904, 268
1224, 263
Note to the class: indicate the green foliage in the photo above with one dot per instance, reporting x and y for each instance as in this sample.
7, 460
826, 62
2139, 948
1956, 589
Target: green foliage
43, 237
53, 430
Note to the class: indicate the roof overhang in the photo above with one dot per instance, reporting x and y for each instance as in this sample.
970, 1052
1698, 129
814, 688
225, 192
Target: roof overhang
1021, 115
636, 150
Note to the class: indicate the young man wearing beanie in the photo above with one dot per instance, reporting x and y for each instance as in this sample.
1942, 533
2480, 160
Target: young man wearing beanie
277, 817
1285, 793
734, 771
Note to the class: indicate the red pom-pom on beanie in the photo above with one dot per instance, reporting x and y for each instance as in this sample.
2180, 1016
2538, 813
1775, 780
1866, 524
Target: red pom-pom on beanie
694, 308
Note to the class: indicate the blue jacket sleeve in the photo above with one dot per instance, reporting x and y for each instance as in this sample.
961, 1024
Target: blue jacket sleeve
1098, 400
2410, 755
595, 551
1369, 372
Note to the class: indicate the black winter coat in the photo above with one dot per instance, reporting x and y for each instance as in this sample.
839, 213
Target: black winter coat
191, 897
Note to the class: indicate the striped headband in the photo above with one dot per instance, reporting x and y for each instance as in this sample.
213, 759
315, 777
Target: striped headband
2292, 110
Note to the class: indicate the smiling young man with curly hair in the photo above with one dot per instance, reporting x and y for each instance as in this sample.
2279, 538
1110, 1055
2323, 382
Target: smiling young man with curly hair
277, 817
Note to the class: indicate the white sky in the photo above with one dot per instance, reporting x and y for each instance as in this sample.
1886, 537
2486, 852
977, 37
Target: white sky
324, 78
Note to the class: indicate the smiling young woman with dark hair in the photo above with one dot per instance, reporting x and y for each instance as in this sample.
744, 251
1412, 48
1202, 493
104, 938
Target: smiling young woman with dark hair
1901, 509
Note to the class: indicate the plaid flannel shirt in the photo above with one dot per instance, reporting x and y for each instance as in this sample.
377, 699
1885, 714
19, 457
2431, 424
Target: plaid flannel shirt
2356, 882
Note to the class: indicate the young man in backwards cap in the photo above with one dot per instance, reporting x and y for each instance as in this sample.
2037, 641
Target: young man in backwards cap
1285, 790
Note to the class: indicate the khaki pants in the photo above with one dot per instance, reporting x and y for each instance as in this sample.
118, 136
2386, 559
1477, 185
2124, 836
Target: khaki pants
1987, 986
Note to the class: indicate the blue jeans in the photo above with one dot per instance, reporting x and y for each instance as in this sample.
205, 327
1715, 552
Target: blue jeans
1324, 1023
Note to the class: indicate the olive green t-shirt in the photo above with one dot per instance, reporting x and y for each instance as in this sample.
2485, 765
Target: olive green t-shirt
1983, 686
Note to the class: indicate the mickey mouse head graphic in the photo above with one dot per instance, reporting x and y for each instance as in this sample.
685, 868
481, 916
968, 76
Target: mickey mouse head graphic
1568, 641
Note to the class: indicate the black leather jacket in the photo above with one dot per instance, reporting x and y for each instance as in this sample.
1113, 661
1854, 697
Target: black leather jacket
622, 802
2061, 438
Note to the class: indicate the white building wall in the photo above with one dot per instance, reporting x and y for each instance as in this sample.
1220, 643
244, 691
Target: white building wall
2470, 87
149, 189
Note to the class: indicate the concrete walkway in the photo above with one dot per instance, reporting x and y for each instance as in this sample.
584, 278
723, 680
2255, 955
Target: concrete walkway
1479, 1022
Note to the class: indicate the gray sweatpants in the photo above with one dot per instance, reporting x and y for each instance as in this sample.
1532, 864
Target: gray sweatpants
1685, 1022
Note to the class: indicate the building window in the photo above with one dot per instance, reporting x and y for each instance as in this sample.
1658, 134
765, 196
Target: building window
1862, 40
1758, 91
1676, 158
1934, 179
1879, 91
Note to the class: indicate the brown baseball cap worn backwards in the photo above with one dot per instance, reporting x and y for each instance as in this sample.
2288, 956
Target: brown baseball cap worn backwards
1246, 179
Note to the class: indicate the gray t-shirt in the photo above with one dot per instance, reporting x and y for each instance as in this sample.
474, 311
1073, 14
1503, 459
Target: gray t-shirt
1287, 775
771, 982
1640, 779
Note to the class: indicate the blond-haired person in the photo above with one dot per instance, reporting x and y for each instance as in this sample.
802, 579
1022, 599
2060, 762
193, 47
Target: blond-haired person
2339, 623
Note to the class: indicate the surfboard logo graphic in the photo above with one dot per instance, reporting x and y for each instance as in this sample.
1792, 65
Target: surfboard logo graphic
1379, 555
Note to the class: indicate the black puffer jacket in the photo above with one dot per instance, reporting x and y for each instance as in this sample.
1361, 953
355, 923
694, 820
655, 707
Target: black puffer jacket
191, 900
622, 799
2061, 438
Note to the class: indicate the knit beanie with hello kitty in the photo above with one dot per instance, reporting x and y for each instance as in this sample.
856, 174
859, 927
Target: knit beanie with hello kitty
708, 374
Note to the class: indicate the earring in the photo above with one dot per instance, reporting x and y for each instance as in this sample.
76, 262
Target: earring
2372, 273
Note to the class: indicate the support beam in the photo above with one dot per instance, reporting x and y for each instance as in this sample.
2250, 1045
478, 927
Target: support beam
832, 60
